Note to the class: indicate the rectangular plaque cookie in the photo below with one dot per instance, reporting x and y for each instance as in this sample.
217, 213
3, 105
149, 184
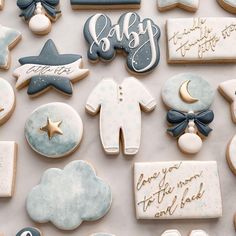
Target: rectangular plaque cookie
8, 151
199, 40
177, 190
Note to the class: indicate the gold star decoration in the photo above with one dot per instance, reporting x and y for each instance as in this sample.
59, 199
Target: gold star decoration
52, 128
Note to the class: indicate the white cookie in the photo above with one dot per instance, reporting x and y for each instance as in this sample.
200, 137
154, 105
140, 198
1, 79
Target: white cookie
119, 106
198, 233
228, 5
8, 155
187, 45
171, 232
188, 5
177, 190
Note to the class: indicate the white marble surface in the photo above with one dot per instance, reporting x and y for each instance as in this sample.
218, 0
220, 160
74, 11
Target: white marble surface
156, 145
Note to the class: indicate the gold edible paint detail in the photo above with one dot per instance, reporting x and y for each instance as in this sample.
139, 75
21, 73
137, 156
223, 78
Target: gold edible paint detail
184, 93
52, 128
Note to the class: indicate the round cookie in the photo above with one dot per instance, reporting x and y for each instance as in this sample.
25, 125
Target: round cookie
102, 234
54, 130
187, 92
231, 154
7, 101
228, 5
29, 231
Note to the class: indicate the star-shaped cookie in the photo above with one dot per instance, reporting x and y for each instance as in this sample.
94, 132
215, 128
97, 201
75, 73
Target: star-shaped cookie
228, 5
188, 5
8, 38
49, 69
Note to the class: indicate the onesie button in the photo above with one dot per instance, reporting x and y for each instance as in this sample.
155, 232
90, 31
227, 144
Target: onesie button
120, 87
121, 99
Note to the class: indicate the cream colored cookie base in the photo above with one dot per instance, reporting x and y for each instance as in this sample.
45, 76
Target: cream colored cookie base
8, 152
179, 5
227, 7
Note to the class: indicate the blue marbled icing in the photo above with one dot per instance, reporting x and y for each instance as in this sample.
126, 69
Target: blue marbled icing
70, 196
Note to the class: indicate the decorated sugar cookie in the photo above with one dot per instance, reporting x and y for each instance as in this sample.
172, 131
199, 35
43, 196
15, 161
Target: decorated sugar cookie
228, 5
119, 107
70, 196
54, 130
29, 231
39, 14
189, 5
198, 233
9, 38
189, 97
174, 232
7, 101
8, 156
104, 4
49, 69
138, 39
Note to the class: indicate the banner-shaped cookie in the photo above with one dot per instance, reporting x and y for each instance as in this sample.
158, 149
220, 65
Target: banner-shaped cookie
177, 190
200, 40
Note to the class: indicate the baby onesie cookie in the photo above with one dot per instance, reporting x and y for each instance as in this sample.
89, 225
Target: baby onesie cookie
39, 14
7, 101
119, 107
228, 5
137, 39
104, 4
9, 38
49, 69
189, 97
54, 130
70, 196
201, 40
29, 231
8, 156
177, 190
188, 5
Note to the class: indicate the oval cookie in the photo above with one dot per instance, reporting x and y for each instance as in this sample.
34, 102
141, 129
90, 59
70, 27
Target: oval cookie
7, 101
54, 130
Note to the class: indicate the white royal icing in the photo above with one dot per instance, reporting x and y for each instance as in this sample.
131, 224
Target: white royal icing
177, 190
193, 4
171, 232
201, 39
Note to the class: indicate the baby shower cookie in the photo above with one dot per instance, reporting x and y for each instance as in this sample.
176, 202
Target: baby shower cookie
39, 14
7, 101
105, 4
49, 69
54, 130
70, 196
177, 190
189, 98
8, 156
119, 106
188, 5
201, 40
137, 39
29, 231
174, 232
228, 5
9, 38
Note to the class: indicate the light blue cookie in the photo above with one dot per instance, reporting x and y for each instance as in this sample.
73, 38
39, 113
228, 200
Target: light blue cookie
62, 141
70, 196
198, 93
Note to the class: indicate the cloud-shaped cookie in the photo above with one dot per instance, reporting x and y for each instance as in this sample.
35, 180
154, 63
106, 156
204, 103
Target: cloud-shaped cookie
70, 196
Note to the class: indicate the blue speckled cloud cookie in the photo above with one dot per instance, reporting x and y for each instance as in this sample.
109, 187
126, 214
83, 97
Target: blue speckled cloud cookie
70, 196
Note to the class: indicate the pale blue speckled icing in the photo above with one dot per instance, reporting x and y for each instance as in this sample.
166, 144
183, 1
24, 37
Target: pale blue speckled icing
198, 88
59, 145
70, 196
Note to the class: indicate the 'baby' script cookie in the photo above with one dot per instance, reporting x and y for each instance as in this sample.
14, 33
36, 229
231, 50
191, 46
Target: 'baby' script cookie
177, 190
138, 39
200, 40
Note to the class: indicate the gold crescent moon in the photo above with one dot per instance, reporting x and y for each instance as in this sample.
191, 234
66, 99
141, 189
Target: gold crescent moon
184, 93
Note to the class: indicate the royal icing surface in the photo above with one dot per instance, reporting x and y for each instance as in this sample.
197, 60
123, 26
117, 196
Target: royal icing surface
228, 5
231, 154
49, 69
177, 190
54, 130
139, 39
7, 168
198, 233
186, 4
29, 231
7, 100
70, 196
174, 232
201, 39
119, 107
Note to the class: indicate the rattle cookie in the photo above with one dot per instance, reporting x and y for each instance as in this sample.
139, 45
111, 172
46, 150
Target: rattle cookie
39, 14
228, 5
188, 5
54, 130
70, 196
137, 39
174, 232
189, 97
29, 231
49, 69
120, 113
7, 101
